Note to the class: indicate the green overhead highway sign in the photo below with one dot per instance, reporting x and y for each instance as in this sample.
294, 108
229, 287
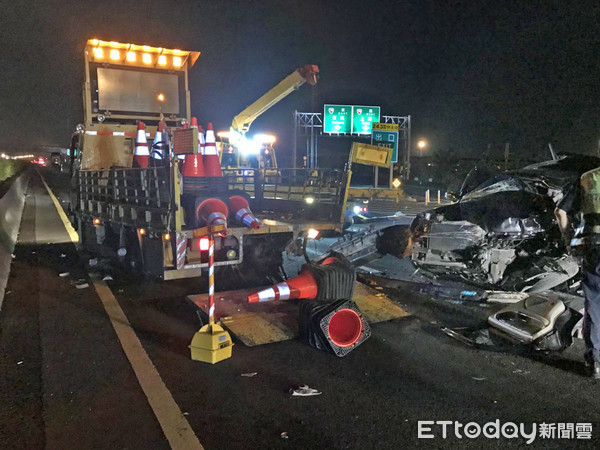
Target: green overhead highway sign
337, 119
349, 119
363, 118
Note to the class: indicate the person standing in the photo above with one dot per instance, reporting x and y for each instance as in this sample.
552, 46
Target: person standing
584, 197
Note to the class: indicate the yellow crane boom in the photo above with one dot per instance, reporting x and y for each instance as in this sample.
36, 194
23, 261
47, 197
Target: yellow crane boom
305, 74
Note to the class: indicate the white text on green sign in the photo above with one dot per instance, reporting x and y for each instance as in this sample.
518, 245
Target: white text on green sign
337, 119
363, 118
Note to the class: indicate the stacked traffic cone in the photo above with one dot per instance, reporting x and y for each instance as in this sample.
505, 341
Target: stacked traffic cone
158, 147
302, 286
240, 209
212, 165
212, 212
141, 156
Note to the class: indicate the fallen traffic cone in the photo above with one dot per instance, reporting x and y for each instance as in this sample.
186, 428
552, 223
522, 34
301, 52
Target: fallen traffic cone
240, 208
212, 212
302, 286
337, 327
331, 280
212, 165
140, 156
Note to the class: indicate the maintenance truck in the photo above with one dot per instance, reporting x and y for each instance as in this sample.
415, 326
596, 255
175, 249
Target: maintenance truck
139, 216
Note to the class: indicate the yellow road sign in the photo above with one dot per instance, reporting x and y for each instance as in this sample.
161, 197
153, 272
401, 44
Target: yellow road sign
371, 155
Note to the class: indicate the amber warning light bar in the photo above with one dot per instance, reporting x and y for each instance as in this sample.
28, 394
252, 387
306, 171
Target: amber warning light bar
139, 55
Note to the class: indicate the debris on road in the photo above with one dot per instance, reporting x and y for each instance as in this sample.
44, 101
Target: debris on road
13, 256
62, 255
107, 278
249, 374
304, 391
479, 378
64, 274
459, 337
19, 363
93, 262
284, 435
82, 286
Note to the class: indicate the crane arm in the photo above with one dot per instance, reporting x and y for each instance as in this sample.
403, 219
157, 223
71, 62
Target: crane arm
305, 74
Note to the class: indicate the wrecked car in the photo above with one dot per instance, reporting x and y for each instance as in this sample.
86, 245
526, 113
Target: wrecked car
502, 233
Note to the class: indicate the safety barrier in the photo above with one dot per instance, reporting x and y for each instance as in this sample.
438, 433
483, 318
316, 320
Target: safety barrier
11, 207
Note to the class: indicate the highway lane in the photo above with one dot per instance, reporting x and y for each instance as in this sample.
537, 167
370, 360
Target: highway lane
75, 384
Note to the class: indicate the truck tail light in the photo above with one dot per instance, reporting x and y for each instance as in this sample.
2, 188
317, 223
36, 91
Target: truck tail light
203, 244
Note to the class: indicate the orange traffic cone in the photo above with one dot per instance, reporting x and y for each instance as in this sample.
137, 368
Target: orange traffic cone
241, 210
303, 286
193, 165
212, 165
212, 212
140, 156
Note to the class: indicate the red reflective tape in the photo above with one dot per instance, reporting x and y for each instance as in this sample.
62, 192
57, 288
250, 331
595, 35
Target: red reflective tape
276, 289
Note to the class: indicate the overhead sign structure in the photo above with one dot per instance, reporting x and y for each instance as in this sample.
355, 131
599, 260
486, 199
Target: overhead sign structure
349, 119
371, 155
386, 135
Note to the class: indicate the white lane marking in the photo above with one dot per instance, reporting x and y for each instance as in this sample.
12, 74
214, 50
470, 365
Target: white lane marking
175, 426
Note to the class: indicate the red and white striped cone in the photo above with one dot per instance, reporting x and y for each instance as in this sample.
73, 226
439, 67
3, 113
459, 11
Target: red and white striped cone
303, 286
193, 165
240, 208
212, 165
141, 155
212, 212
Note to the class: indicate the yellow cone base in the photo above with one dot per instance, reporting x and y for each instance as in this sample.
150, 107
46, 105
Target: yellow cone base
211, 344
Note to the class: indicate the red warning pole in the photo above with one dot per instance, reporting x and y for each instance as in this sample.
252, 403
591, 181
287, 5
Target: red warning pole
211, 280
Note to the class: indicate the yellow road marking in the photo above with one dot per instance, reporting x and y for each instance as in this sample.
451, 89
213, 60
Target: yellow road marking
175, 426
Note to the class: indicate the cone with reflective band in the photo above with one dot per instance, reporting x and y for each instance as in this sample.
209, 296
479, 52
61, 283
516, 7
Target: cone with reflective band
240, 208
158, 146
303, 286
194, 123
212, 212
212, 165
141, 155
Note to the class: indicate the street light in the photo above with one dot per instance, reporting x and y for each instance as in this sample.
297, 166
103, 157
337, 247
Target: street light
421, 144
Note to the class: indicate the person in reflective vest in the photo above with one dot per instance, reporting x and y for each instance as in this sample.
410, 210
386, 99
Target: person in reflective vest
584, 197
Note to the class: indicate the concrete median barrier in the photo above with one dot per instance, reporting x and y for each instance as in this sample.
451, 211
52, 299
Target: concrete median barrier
11, 208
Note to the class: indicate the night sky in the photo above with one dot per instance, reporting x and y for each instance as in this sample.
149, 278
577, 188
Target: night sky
469, 73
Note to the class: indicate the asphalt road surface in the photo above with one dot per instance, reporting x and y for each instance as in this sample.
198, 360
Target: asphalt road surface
71, 376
